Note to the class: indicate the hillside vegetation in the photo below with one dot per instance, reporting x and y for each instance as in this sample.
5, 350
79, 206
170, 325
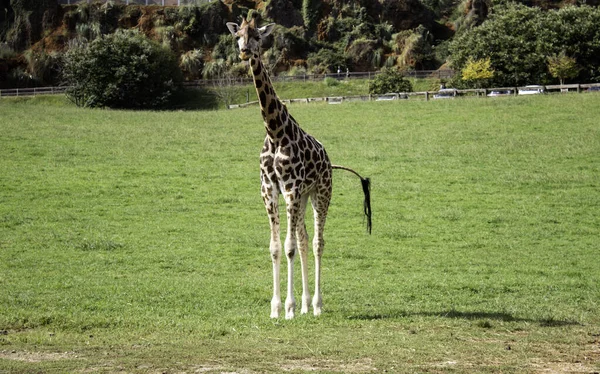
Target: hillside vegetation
314, 36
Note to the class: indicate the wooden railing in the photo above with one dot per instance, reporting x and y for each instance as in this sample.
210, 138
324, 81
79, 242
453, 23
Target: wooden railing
427, 95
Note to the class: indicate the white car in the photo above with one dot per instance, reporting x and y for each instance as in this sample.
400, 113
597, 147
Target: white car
495, 93
531, 90
446, 93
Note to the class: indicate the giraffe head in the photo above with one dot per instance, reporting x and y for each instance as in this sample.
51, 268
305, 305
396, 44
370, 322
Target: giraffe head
249, 37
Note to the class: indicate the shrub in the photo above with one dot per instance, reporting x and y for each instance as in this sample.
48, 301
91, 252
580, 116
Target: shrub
477, 72
121, 70
326, 61
389, 80
191, 63
6, 52
331, 82
562, 67
43, 67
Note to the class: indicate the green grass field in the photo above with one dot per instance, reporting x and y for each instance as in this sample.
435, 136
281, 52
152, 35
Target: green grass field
137, 241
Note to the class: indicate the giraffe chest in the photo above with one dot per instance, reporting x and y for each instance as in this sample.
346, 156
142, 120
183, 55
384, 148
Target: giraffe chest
294, 166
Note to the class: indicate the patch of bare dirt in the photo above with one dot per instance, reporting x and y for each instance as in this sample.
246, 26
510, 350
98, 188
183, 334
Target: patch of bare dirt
359, 366
37, 356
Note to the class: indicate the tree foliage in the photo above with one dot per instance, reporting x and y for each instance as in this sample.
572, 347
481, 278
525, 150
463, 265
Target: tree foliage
518, 40
389, 80
477, 72
121, 70
562, 67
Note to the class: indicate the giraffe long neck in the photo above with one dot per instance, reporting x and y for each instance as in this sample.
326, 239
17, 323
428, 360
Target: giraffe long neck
274, 113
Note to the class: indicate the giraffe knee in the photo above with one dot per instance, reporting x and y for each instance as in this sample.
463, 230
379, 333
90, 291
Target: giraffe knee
290, 253
290, 248
275, 251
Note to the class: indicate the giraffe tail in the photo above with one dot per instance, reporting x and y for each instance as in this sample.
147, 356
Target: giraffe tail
366, 186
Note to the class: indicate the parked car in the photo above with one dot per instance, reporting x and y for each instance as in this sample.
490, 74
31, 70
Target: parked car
500, 93
531, 90
594, 89
446, 93
392, 96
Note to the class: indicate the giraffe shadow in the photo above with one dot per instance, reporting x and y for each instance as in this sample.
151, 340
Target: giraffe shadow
471, 316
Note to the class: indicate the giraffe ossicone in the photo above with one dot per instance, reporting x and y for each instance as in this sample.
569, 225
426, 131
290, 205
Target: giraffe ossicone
293, 164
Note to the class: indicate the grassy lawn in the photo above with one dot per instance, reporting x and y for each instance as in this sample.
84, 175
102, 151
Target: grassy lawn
137, 241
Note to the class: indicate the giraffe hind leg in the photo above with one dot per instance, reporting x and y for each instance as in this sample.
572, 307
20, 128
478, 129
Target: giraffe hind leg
293, 203
320, 203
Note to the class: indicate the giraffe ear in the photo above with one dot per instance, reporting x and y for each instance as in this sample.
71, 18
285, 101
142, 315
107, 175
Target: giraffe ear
233, 27
266, 30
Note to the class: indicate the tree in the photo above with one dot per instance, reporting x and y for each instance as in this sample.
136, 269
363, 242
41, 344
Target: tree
389, 80
518, 40
477, 71
509, 39
562, 67
121, 70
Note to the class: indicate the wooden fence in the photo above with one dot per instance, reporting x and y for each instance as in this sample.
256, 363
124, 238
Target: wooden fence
427, 95
32, 91
418, 74
439, 74
484, 92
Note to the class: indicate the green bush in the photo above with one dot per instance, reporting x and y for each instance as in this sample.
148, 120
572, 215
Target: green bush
121, 70
389, 80
326, 61
43, 67
331, 82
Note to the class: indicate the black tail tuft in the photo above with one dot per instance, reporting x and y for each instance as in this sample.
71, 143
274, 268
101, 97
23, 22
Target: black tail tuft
366, 186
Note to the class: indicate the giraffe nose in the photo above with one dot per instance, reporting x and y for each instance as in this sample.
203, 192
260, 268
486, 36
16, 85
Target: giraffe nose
245, 50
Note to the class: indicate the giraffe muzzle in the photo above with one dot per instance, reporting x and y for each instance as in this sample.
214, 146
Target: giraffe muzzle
244, 55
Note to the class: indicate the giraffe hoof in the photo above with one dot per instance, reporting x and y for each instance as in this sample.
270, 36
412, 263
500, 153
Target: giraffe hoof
275, 308
290, 306
317, 303
305, 304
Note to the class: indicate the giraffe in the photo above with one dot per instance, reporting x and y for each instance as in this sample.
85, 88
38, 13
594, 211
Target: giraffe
295, 165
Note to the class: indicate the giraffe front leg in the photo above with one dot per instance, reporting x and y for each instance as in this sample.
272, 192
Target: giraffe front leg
275, 250
302, 236
293, 211
290, 252
271, 200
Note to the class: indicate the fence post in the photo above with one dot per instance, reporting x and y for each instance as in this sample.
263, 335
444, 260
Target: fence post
578, 88
426, 95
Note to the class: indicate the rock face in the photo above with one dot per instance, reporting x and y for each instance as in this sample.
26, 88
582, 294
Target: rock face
404, 14
284, 13
23, 21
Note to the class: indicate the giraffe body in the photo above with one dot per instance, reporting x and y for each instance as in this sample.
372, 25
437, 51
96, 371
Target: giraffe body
293, 164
